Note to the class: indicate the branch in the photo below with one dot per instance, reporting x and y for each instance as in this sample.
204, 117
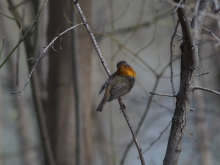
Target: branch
40, 56
158, 76
201, 74
132, 131
177, 7
171, 56
206, 89
158, 138
15, 19
92, 37
145, 112
19, 4
190, 9
46, 144
3, 43
26, 35
122, 107
209, 31
161, 94
192, 109
192, 135
133, 53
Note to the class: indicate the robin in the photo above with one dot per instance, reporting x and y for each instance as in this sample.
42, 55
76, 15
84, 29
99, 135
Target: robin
118, 84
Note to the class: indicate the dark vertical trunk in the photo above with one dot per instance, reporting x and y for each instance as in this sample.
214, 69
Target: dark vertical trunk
60, 108
189, 64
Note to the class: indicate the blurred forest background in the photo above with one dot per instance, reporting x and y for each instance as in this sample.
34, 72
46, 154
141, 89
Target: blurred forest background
55, 119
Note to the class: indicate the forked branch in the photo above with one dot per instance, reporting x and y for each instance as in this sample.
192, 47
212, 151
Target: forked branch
40, 56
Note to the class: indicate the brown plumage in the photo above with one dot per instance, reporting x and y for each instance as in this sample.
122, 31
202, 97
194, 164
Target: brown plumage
118, 84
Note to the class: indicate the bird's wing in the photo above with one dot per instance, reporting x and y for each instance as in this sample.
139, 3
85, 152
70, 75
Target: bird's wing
106, 83
120, 89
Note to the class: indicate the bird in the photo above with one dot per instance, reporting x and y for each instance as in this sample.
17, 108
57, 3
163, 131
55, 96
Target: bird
118, 84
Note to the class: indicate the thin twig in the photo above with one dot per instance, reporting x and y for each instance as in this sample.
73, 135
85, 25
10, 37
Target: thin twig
131, 52
213, 34
17, 66
171, 57
192, 109
109, 73
19, 4
177, 7
152, 40
188, 8
206, 89
201, 74
162, 106
140, 15
46, 145
3, 43
209, 31
161, 94
192, 135
146, 111
132, 131
158, 138
15, 19
34, 59
138, 26
140, 122
26, 35
40, 56
92, 37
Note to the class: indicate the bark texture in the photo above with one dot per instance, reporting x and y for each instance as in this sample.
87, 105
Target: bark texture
189, 64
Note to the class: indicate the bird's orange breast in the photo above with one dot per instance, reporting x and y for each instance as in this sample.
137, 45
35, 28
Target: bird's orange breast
127, 72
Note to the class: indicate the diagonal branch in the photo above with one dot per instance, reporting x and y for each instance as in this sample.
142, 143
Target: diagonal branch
158, 138
122, 107
171, 57
206, 89
40, 56
27, 34
145, 112
3, 43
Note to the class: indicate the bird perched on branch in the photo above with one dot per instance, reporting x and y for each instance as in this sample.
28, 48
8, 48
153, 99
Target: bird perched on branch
118, 84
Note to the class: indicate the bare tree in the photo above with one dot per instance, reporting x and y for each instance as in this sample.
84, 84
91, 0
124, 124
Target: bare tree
189, 65
136, 33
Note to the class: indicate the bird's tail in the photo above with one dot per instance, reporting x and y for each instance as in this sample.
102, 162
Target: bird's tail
102, 104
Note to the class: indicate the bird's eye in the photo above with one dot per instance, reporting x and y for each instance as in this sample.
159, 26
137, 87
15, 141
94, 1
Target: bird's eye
125, 66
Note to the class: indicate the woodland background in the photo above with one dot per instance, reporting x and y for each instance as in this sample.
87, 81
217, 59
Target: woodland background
64, 87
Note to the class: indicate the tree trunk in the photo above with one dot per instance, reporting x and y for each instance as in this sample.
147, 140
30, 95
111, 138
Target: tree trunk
60, 106
189, 64
84, 53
